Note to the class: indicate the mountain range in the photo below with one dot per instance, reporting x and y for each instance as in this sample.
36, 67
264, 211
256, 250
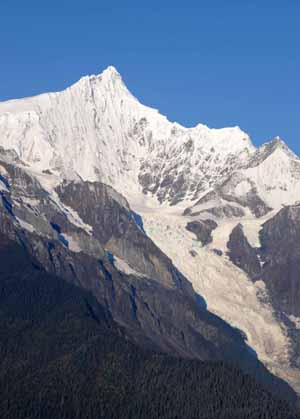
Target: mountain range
188, 237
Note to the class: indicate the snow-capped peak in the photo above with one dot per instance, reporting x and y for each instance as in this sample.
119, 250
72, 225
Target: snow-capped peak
111, 71
109, 75
97, 130
278, 142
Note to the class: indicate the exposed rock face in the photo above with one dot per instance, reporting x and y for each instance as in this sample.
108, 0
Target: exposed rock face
250, 199
202, 229
276, 261
114, 225
71, 232
232, 198
242, 254
280, 251
224, 211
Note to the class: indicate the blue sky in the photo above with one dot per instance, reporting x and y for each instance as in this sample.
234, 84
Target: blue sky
233, 62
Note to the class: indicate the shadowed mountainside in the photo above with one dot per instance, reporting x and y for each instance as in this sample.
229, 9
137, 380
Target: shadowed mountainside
63, 356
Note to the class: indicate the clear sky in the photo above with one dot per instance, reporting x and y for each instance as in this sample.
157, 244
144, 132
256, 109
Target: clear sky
218, 62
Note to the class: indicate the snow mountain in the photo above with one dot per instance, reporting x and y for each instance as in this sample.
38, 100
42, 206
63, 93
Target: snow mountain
97, 130
171, 204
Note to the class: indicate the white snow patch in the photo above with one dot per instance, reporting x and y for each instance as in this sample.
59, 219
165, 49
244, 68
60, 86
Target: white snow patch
73, 243
26, 226
252, 227
243, 188
221, 234
124, 267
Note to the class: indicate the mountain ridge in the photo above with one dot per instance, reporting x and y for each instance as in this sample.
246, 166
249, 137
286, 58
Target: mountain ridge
141, 141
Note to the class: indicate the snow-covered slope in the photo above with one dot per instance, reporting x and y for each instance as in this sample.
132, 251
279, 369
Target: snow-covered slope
96, 130
227, 290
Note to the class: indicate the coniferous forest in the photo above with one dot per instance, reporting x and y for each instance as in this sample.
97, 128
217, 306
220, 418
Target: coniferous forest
62, 356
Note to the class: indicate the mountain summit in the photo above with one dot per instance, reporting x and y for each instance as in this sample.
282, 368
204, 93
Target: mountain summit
97, 130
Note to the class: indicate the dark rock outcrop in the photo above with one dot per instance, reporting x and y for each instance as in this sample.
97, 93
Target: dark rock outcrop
280, 251
242, 254
202, 229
